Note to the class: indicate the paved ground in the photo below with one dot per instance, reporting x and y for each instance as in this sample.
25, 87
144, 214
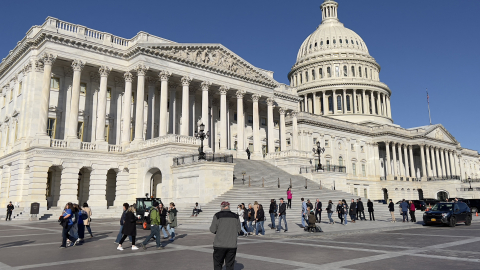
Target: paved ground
364, 245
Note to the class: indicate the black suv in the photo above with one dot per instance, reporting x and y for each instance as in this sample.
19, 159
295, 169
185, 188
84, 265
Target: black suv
448, 213
474, 204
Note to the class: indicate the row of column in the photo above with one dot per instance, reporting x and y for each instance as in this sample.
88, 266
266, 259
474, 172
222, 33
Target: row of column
369, 102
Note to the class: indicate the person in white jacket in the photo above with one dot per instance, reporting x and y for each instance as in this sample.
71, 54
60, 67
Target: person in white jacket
196, 210
240, 212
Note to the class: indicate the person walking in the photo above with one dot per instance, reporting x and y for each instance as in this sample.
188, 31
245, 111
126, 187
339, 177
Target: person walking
226, 226
330, 212
74, 231
122, 222
259, 220
68, 215
289, 198
282, 211
240, 213
360, 210
251, 218
163, 220
273, 212
245, 217
370, 210
304, 212
129, 228
10, 208
318, 211
412, 212
248, 153
391, 208
87, 221
353, 211
81, 223
404, 206
345, 211
339, 211
154, 227
255, 208
172, 221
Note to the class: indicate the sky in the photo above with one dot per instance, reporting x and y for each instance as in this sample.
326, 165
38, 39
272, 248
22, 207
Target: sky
430, 44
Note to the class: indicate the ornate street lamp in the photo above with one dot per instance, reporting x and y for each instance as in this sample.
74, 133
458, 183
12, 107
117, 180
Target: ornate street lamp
318, 151
202, 136
470, 182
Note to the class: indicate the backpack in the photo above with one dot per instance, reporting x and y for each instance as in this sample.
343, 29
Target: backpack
84, 215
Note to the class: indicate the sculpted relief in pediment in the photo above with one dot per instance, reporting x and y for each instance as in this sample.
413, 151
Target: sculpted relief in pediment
439, 134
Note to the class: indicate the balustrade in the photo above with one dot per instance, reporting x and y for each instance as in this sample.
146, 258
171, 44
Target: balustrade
88, 146
58, 143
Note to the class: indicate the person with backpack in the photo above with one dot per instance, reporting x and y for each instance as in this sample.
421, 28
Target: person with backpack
87, 221
260, 219
330, 212
273, 212
370, 210
74, 231
360, 209
172, 221
122, 222
154, 227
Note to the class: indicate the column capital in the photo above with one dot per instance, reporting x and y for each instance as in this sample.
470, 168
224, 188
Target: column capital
205, 85
282, 111
141, 69
186, 80
150, 80
78, 65
128, 76
294, 113
223, 89
240, 94
270, 101
27, 68
164, 75
38, 65
104, 71
387, 142
48, 58
410, 147
256, 97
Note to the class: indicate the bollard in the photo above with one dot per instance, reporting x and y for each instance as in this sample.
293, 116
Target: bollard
305, 183
320, 184
249, 181
290, 182
279, 182
263, 182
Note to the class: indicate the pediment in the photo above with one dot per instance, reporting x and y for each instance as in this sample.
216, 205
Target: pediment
440, 133
214, 56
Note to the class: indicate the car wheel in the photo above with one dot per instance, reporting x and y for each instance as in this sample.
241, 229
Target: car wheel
452, 222
474, 210
468, 222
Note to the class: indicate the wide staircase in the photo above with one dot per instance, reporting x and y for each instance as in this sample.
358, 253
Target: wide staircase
263, 186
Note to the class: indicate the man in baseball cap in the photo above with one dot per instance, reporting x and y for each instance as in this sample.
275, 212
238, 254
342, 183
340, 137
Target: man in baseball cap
226, 227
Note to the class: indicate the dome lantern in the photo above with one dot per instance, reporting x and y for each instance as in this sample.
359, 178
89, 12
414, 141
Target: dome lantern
329, 10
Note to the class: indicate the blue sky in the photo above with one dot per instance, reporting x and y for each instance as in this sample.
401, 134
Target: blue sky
419, 44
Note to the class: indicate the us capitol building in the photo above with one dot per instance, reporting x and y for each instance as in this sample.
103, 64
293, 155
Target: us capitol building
87, 116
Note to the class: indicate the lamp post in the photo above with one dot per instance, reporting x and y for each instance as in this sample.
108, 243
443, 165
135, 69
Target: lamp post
470, 183
318, 151
202, 136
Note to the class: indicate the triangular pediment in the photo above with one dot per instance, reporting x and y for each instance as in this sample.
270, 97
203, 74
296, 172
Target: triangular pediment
440, 133
215, 57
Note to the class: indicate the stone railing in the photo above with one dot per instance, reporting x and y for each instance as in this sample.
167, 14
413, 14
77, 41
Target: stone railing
444, 178
171, 138
288, 153
88, 146
58, 143
115, 148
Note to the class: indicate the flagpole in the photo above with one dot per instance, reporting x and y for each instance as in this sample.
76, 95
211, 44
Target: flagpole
428, 102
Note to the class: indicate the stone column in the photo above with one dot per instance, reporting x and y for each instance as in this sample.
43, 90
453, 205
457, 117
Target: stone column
192, 122
223, 117
384, 105
412, 165
283, 131
120, 91
164, 76
372, 101
434, 168
324, 103
240, 124
452, 164
344, 101
48, 60
98, 187
387, 162
102, 106
316, 104
379, 105
257, 146
294, 131
185, 106
447, 162
151, 108
354, 107
305, 103
422, 154
400, 158
127, 106
364, 103
376, 154
457, 165
72, 122
205, 86
334, 98
444, 162
394, 155
405, 154
139, 119
310, 104
439, 166
270, 126
173, 107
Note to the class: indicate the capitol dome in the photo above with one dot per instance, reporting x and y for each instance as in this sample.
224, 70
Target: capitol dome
336, 75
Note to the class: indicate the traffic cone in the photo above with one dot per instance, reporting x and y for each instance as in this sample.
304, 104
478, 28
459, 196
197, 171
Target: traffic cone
476, 214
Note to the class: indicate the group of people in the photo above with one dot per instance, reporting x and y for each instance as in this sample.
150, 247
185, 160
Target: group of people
74, 220
355, 210
406, 207
161, 218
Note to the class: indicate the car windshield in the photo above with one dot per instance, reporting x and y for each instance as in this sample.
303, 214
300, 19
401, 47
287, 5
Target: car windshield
443, 207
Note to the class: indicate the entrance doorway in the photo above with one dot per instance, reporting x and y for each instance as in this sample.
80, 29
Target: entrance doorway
83, 187
52, 192
442, 196
154, 178
111, 187
420, 194
385, 195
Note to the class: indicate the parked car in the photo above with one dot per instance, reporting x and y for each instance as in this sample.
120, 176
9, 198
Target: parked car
449, 214
429, 201
473, 204
142, 210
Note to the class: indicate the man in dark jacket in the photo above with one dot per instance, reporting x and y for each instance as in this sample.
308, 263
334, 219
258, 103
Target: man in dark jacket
391, 208
226, 227
273, 212
404, 206
10, 208
318, 211
360, 209
122, 221
163, 220
353, 210
282, 211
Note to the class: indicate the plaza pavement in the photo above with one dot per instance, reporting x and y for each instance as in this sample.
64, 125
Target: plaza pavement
364, 245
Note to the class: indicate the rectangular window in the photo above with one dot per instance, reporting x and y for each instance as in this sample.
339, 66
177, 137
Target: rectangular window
80, 131
107, 131
235, 116
20, 86
51, 125
109, 93
321, 73
55, 83
354, 169
355, 191
250, 119
328, 163
83, 89
314, 141
365, 193
263, 121
327, 144
353, 147
364, 173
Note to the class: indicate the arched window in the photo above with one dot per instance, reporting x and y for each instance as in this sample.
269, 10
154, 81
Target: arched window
340, 161
340, 41
348, 103
328, 41
330, 103
313, 74
346, 41
321, 43
359, 72
321, 73
315, 44
366, 73
301, 78
339, 102
334, 41
345, 73
353, 71
352, 42
329, 72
